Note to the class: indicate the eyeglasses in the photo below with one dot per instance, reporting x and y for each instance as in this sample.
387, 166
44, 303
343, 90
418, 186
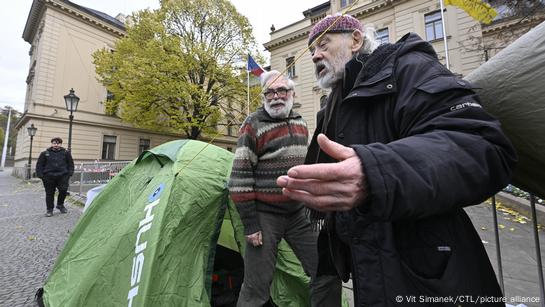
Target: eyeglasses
281, 92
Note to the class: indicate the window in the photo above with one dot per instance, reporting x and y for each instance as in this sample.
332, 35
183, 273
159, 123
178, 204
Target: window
144, 145
434, 28
108, 147
383, 36
230, 129
346, 2
31, 73
290, 66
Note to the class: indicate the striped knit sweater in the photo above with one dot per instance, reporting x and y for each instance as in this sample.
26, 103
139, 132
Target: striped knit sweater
267, 148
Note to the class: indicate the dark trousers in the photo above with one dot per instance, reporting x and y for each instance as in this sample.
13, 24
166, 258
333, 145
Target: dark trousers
260, 262
52, 183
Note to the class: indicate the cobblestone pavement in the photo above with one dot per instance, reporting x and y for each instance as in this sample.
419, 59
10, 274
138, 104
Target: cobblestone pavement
30, 242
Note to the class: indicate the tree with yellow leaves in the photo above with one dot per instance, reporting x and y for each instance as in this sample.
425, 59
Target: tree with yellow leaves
178, 68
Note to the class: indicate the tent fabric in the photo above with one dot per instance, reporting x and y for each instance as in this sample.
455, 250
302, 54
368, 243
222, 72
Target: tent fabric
511, 88
149, 238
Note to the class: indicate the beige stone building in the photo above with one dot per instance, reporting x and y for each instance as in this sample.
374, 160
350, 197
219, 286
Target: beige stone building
62, 37
467, 39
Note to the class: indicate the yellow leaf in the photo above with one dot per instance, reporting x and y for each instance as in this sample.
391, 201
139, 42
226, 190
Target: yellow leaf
475, 8
501, 226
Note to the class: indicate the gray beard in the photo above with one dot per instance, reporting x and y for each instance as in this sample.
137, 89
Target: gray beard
335, 71
282, 113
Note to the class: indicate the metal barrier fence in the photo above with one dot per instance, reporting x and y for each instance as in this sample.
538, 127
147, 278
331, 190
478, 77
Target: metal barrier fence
89, 175
537, 248
86, 176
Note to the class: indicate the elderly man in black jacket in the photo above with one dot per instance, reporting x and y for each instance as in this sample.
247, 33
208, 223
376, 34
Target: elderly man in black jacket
400, 149
54, 167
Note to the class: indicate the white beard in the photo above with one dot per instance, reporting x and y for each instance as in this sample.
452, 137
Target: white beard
334, 71
279, 112
330, 78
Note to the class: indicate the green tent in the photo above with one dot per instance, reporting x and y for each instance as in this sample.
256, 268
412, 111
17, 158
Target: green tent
164, 233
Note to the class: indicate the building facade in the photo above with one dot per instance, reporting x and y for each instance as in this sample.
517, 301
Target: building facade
63, 36
469, 42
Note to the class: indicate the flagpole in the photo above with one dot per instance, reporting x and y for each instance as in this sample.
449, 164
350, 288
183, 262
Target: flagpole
444, 34
248, 105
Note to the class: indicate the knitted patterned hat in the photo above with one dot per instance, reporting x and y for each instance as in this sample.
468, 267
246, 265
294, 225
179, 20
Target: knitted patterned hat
345, 24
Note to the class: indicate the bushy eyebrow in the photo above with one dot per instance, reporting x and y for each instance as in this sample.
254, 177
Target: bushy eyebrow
276, 89
325, 39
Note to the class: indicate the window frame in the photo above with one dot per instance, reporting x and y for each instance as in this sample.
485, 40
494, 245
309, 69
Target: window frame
345, 3
290, 72
381, 38
105, 148
435, 20
140, 145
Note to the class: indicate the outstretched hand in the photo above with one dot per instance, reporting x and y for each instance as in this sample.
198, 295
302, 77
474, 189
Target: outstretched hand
337, 186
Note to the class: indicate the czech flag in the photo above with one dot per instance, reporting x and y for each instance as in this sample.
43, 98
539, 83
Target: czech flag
253, 67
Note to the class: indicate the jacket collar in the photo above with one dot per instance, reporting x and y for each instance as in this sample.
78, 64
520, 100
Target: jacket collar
384, 81
380, 82
58, 150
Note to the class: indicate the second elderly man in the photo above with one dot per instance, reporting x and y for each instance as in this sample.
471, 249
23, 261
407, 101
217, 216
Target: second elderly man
271, 140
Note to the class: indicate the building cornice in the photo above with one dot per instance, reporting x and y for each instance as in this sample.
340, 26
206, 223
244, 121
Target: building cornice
373, 8
278, 42
358, 12
39, 6
30, 116
504, 24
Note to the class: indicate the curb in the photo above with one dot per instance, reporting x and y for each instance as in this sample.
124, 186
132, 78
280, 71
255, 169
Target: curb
522, 206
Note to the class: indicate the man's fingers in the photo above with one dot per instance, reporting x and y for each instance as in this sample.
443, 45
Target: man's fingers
320, 203
256, 239
334, 149
316, 187
322, 171
325, 171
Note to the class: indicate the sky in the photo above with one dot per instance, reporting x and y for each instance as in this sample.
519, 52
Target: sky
14, 58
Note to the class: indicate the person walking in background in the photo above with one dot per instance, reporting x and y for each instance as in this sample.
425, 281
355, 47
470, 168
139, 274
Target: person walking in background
55, 167
271, 140
402, 146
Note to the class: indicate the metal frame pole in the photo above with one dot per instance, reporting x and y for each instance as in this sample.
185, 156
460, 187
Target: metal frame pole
81, 179
498, 249
538, 250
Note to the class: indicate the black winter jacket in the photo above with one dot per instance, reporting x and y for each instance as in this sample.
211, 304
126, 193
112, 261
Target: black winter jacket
54, 163
427, 149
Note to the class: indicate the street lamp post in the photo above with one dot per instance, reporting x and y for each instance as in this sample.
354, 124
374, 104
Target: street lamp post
31, 132
71, 101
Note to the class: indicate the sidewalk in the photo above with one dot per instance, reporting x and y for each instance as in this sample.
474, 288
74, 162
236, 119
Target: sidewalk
30, 241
